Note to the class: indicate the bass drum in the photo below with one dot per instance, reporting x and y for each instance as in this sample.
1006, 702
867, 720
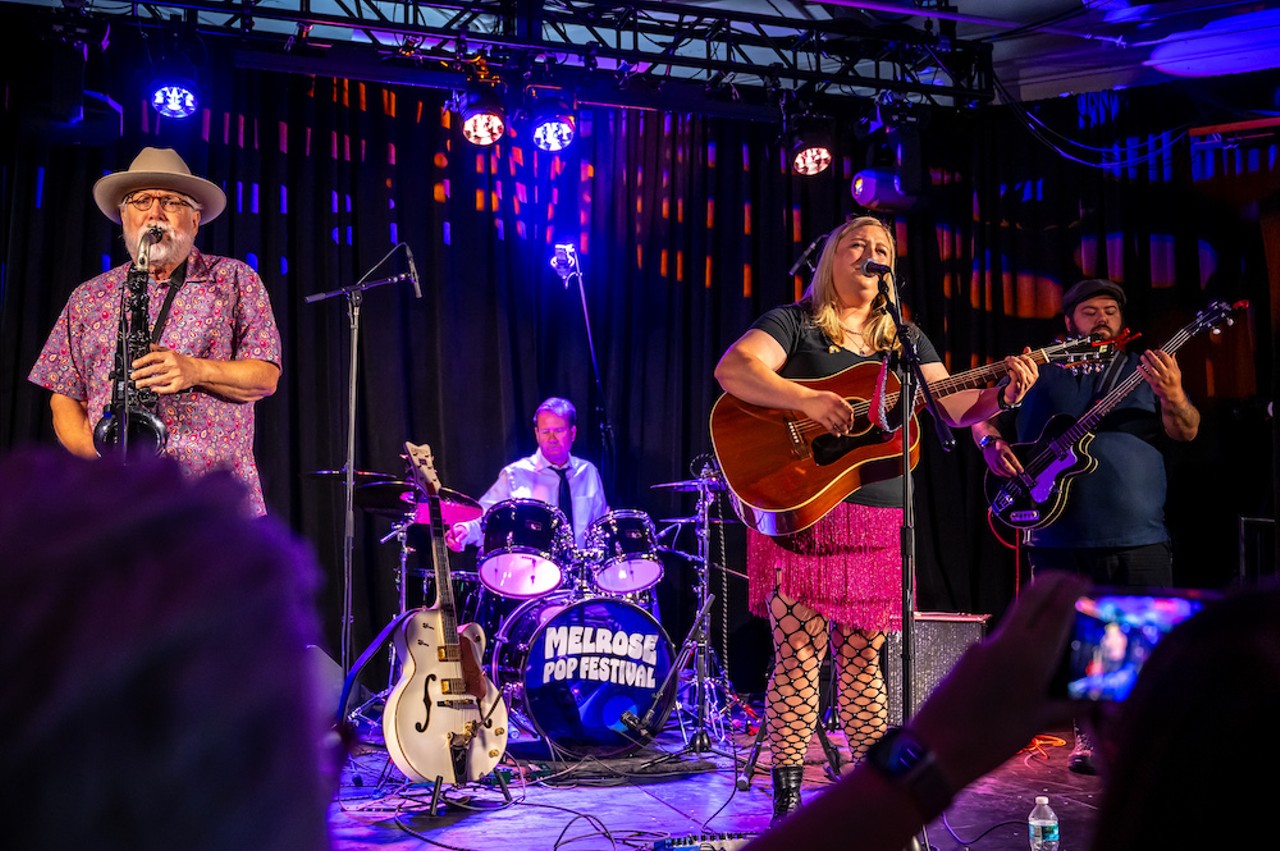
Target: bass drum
573, 667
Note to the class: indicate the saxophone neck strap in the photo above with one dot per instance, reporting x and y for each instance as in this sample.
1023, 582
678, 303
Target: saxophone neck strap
176, 280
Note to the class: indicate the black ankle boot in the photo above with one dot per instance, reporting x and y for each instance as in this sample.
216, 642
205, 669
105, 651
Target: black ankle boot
786, 790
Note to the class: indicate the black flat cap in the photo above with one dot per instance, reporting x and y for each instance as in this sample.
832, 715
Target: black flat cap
1085, 290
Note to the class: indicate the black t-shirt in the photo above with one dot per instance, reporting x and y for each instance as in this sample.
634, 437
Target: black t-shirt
809, 355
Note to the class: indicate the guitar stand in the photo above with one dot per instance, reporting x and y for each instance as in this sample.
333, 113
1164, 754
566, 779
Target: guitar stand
827, 720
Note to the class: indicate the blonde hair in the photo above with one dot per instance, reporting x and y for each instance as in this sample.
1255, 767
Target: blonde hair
879, 331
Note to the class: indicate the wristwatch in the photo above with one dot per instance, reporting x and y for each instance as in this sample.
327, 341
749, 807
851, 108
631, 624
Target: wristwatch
907, 762
986, 439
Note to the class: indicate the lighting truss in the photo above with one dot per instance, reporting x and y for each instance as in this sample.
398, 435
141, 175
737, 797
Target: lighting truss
643, 54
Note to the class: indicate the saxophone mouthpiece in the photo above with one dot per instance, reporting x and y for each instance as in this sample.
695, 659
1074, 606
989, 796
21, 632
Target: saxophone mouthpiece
154, 234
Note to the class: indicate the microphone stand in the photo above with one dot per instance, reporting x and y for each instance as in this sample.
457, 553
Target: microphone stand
567, 269
354, 294
911, 378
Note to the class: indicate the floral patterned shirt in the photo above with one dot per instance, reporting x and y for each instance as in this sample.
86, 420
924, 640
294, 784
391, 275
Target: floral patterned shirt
222, 312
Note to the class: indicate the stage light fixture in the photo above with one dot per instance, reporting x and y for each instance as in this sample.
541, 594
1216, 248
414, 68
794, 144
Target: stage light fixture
172, 86
881, 189
174, 97
810, 147
554, 126
484, 119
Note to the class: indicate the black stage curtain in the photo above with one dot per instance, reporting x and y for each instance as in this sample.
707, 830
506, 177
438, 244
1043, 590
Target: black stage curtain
685, 227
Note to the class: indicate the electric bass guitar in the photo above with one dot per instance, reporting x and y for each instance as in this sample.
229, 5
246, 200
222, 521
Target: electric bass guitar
444, 720
786, 472
1038, 495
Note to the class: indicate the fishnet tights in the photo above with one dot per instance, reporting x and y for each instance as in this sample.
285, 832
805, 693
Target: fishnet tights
801, 637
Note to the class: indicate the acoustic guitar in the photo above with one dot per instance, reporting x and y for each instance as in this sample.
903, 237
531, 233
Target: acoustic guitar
444, 720
786, 472
1038, 495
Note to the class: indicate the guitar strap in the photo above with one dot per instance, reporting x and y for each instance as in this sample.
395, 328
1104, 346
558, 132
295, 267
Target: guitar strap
1110, 377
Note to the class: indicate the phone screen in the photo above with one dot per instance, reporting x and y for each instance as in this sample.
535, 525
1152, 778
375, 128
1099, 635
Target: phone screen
1115, 631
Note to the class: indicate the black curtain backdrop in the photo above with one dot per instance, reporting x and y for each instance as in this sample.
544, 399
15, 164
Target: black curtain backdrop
685, 228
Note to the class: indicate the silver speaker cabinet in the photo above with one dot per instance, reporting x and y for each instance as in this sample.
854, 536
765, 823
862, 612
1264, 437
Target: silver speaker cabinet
940, 638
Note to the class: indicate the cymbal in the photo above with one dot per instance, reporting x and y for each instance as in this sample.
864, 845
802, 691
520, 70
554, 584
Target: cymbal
396, 499
391, 497
454, 508
725, 520
360, 475
713, 485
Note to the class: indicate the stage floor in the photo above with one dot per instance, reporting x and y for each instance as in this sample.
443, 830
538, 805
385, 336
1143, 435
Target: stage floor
666, 795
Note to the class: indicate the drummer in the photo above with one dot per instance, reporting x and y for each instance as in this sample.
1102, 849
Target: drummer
550, 475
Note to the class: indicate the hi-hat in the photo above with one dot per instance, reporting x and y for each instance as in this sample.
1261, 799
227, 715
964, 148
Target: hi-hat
397, 499
359, 475
707, 484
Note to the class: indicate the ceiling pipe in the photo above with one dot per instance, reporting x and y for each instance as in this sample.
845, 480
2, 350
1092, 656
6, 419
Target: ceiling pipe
995, 23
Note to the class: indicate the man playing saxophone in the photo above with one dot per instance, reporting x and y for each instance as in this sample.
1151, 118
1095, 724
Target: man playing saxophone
211, 349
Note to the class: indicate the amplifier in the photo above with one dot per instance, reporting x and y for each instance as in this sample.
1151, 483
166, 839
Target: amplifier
940, 639
705, 842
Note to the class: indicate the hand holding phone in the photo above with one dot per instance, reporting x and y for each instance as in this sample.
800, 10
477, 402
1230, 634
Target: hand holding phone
1114, 632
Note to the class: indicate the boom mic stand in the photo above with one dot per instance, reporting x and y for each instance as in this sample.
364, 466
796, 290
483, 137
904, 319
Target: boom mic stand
911, 377
565, 263
354, 294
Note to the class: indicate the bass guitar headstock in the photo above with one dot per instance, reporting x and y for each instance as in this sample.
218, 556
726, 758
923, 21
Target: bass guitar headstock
1216, 315
423, 467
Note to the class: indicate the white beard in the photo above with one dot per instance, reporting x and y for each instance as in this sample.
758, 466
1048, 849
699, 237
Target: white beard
171, 250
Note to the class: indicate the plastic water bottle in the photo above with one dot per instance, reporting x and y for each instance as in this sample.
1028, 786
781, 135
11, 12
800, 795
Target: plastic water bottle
1042, 826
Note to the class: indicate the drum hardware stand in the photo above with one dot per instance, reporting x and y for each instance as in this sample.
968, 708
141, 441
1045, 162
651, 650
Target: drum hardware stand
355, 296
707, 713
400, 531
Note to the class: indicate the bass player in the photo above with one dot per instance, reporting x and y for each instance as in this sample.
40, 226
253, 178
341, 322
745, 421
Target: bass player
1112, 525
839, 580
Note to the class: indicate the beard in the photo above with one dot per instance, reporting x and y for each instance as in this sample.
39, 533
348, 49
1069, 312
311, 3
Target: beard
172, 249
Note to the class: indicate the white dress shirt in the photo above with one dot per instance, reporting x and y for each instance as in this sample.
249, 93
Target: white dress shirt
535, 478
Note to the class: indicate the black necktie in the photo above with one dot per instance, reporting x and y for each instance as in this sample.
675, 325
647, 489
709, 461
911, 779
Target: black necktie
565, 500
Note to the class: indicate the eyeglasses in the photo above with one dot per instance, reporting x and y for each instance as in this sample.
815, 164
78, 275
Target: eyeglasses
168, 203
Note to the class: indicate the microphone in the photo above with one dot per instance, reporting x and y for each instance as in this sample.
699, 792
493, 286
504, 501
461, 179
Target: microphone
632, 722
804, 258
565, 262
413, 271
871, 267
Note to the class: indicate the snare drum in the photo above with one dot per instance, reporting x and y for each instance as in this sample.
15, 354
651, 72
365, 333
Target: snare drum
626, 545
526, 541
572, 668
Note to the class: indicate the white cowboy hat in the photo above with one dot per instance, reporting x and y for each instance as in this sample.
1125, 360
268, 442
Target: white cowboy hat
158, 168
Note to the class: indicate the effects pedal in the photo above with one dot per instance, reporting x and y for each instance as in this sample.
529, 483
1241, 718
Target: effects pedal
705, 842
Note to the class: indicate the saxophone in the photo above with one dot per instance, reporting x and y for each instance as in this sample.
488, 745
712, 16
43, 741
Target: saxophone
130, 423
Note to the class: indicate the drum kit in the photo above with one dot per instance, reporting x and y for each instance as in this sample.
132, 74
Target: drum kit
582, 659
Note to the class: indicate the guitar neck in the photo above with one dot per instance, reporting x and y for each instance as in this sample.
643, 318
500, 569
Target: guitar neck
1088, 421
973, 379
440, 567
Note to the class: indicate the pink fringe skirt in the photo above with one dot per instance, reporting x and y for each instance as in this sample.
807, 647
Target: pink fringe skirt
847, 567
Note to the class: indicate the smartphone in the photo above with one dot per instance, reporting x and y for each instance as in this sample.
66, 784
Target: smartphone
1114, 632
